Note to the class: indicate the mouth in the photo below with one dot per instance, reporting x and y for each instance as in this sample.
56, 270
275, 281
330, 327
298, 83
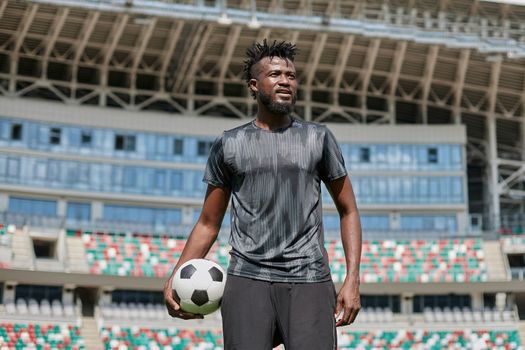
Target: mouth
284, 92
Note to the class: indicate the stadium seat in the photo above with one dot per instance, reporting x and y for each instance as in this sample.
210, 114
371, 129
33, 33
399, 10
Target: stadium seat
30, 336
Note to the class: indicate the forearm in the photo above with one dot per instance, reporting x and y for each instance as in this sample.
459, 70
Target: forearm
351, 240
198, 244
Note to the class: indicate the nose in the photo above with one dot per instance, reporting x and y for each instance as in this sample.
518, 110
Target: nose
284, 80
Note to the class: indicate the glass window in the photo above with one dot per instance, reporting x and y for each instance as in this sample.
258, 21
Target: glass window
203, 147
162, 145
79, 211
129, 177
160, 179
455, 154
331, 222
375, 222
178, 147
40, 170
16, 131
364, 154
13, 167
432, 155
152, 216
32, 206
86, 138
54, 136
124, 142
176, 180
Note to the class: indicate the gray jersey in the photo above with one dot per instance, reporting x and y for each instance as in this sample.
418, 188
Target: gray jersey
275, 180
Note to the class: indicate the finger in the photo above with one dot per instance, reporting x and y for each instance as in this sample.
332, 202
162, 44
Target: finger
338, 307
171, 303
353, 315
346, 316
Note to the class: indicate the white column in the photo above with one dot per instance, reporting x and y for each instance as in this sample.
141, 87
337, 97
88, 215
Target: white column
494, 204
4, 202
96, 210
477, 300
61, 208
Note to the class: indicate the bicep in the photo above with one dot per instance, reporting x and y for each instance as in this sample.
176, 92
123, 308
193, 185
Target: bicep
343, 194
215, 205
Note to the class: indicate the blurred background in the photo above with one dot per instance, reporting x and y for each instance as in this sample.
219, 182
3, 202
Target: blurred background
108, 109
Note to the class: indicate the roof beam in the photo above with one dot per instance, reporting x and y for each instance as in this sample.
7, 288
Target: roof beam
24, 26
340, 65
193, 57
459, 84
168, 53
371, 56
233, 39
137, 58
115, 35
314, 58
427, 80
399, 57
57, 27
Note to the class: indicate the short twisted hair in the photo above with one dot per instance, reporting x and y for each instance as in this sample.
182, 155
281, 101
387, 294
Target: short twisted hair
258, 51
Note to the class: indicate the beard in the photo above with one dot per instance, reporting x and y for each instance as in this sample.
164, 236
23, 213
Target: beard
277, 108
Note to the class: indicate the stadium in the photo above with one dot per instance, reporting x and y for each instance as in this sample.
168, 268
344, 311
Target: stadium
108, 109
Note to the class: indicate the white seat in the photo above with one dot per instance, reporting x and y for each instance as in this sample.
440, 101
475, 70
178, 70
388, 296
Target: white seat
151, 311
428, 314
467, 314
477, 315
32, 307
458, 315
21, 306
56, 308
69, 310
438, 315
10, 307
45, 307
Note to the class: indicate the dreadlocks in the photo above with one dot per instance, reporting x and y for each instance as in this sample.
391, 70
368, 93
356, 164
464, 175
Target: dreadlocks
258, 51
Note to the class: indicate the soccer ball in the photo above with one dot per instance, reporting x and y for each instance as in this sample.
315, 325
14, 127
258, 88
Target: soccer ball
199, 284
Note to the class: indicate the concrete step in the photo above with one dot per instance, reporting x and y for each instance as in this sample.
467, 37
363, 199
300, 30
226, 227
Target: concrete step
521, 330
495, 261
22, 250
90, 334
76, 252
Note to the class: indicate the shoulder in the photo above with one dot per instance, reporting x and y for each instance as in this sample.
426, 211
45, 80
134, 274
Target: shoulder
311, 127
237, 129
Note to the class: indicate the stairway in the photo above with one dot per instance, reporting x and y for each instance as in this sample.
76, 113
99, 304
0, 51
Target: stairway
521, 330
495, 261
90, 334
76, 255
22, 247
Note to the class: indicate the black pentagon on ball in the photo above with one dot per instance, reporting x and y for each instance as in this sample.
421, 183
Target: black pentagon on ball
199, 297
215, 274
187, 271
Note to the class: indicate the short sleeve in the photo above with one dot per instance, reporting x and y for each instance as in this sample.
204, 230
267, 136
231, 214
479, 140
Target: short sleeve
332, 163
217, 172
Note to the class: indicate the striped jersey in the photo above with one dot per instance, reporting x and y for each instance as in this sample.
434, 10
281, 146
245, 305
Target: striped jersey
276, 209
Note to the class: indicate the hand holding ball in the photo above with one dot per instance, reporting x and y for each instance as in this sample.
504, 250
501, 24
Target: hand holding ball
199, 284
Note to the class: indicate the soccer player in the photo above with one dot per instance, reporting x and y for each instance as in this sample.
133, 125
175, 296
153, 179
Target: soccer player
279, 286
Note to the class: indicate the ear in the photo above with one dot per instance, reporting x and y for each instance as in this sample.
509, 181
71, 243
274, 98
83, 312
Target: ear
253, 85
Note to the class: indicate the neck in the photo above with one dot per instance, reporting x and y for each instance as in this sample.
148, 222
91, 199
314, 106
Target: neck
268, 121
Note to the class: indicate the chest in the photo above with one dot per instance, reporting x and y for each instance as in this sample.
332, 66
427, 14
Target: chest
264, 152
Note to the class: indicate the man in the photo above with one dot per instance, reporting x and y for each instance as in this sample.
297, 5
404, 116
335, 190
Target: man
279, 285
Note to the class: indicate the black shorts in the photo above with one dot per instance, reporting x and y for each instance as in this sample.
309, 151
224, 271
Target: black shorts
259, 315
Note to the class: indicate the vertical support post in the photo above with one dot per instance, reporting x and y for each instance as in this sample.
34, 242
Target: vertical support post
493, 173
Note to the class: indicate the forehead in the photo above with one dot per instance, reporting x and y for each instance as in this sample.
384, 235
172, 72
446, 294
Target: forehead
275, 63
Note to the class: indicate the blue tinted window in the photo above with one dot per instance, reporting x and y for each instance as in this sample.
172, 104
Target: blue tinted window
79, 211
32, 206
428, 223
152, 216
